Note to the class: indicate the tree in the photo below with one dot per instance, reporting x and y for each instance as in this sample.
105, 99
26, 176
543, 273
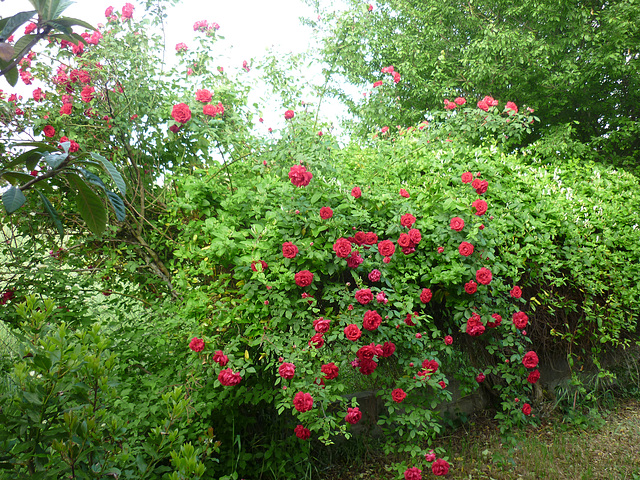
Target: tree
578, 62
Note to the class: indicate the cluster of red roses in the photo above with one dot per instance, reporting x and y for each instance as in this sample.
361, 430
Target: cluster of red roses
6, 296
127, 12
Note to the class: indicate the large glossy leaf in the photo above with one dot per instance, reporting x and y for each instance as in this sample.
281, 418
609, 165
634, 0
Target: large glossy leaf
92, 178
115, 175
12, 23
69, 22
53, 214
89, 205
23, 42
13, 199
117, 204
12, 76
16, 178
55, 159
25, 158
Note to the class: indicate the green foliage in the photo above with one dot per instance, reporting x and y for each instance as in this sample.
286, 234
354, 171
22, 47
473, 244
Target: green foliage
577, 62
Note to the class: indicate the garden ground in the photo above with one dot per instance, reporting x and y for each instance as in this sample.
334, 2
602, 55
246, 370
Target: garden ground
608, 447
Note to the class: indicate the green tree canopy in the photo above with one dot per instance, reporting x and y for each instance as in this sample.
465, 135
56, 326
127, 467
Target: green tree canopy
573, 61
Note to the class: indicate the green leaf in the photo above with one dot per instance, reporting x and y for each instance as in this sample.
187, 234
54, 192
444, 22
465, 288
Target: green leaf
115, 175
13, 199
23, 42
118, 205
53, 214
69, 22
60, 26
12, 76
15, 178
14, 22
55, 159
26, 158
89, 205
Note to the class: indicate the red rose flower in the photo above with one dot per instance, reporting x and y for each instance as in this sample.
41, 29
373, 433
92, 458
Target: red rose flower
196, 344
174, 128
480, 186
370, 238
86, 95
342, 247
220, 358
388, 348
49, 131
367, 352
372, 320
404, 240
470, 287
330, 371
480, 378
475, 326
288, 115
66, 109
413, 474
203, 95
448, 340
484, 276
440, 249
530, 359
442, 384
415, 236
360, 238
520, 320
326, 213
299, 176
302, 432
287, 370
354, 260
289, 250
303, 402
356, 192
127, 10
398, 395
440, 467
352, 332
534, 376
304, 278
73, 146
407, 220
229, 378
375, 275
480, 206
181, 113
404, 193
465, 249
516, 292
425, 295
378, 83
511, 106
430, 366
108, 12
457, 224
526, 409
321, 325
213, 110
317, 341
263, 264
460, 101
497, 320
353, 415
364, 296
386, 248
482, 105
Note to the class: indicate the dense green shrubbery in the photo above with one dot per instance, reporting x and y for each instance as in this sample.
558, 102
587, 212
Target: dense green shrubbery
243, 263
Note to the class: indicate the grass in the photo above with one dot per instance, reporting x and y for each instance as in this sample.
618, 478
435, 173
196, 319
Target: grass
607, 449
